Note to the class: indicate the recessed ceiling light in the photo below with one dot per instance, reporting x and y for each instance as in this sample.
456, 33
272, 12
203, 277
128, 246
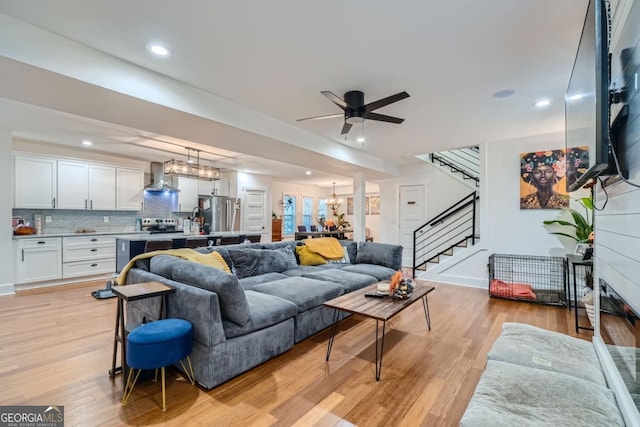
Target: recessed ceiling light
575, 97
543, 103
307, 173
158, 50
504, 93
87, 142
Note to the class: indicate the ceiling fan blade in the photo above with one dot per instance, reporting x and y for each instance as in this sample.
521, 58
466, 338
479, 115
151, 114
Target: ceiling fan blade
335, 99
385, 101
346, 128
383, 118
329, 116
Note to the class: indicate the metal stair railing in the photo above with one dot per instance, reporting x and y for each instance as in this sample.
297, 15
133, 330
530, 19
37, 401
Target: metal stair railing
465, 161
450, 228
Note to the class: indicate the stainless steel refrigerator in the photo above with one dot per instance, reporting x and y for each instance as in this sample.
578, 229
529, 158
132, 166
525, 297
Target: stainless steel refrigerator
222, 213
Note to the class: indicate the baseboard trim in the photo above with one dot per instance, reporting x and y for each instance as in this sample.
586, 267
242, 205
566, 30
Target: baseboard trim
7, 289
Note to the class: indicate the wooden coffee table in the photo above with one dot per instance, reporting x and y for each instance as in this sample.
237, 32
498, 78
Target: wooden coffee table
380, 309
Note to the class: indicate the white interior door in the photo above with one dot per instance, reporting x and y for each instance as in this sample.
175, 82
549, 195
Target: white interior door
411, 216
255, 211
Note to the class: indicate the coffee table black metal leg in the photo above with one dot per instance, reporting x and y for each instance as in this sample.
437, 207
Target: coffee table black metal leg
425, 305
333, 332
379, 355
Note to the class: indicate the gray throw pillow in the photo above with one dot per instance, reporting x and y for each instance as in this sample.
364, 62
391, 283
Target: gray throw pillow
233, 302
252, 262
380, 254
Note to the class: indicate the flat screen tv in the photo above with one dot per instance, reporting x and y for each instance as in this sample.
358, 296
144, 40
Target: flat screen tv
587, 99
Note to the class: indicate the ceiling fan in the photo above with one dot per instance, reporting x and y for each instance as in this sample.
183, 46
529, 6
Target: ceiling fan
356, 111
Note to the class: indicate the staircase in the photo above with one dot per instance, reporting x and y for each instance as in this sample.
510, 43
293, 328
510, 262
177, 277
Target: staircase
453, 228
462, 163
456, 227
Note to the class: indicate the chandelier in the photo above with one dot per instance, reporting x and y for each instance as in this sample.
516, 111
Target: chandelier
334, 203
191, 168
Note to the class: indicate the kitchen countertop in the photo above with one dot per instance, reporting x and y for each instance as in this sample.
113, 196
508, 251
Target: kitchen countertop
133, 235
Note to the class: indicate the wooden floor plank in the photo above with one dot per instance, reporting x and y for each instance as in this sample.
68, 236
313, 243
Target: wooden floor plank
56, 343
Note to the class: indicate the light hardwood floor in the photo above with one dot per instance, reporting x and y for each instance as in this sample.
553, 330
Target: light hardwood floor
56, 347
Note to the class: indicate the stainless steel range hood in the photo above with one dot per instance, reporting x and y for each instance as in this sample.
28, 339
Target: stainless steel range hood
160, 181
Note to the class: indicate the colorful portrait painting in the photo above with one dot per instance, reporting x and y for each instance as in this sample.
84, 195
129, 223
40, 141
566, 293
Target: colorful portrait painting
543, 176
577, 159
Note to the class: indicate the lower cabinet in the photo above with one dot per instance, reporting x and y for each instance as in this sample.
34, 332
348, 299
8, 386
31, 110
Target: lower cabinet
88, 255
39, 260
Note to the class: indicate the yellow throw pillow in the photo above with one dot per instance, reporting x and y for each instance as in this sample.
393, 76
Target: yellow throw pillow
309, 258
223, 264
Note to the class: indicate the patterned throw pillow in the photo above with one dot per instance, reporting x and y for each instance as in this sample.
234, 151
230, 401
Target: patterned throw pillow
253, 262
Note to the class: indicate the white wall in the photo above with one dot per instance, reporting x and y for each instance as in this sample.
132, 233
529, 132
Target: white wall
441, 190
7, 261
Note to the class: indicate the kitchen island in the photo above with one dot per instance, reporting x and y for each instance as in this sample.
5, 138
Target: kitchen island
128, 247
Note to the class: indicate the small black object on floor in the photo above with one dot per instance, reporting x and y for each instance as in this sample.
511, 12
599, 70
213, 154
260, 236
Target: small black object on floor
103, 294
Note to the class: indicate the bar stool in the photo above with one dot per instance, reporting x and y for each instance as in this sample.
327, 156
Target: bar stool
230, 240
157, 245
157, 345
196, 242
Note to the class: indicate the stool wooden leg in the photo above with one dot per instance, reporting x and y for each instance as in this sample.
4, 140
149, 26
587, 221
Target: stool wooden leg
128, 388
164, 404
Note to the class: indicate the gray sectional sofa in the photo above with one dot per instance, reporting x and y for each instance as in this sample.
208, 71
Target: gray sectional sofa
267, 304
537, 377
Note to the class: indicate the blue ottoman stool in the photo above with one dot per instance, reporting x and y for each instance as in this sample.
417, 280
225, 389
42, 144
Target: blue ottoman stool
156, 345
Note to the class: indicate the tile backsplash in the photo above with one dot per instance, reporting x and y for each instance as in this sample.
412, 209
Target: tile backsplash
156, 205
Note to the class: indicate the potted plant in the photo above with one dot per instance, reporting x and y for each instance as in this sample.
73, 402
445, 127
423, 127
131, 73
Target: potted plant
342, 222
582, 226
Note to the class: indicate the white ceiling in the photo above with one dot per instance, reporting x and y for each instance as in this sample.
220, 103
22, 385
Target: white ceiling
274, 57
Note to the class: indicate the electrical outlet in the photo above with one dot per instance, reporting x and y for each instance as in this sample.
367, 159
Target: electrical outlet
106, 219
47, 219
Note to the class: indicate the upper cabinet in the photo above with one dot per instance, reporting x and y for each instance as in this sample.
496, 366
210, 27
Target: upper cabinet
188, 195
129, 189
218, 187
50, 183
86, 186
35, 182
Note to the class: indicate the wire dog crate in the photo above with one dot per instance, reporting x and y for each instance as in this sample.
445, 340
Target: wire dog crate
540, 279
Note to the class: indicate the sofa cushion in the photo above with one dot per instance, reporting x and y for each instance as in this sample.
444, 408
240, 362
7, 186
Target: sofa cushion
377, 271
513, 395
303, 292
161, 265
252, 262
528, 345
380, 254
349, 281
302, 269
249, 282
352, 249
265, 310
309, 258
233, 302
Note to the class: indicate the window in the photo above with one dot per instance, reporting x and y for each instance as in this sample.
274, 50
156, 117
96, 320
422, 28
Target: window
289, 216
307, 209
322, 208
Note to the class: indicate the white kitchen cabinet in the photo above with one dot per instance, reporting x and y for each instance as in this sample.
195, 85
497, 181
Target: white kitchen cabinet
34, 182
188, 195
86, 186
88, 255
102, 188
221, 187
129, 189
39, 259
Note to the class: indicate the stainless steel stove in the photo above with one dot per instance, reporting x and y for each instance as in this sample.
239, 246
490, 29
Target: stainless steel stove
159, 225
